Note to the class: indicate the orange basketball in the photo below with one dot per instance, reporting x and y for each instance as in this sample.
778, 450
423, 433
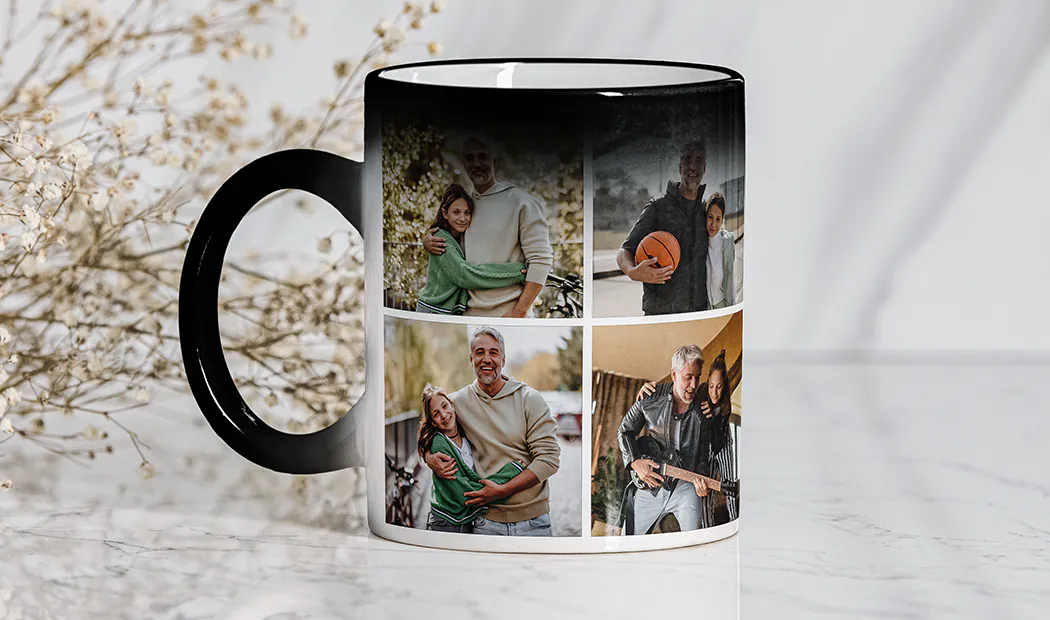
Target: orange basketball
660, 245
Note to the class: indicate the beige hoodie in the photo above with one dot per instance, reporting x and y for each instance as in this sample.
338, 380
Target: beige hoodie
509, 226
514, 425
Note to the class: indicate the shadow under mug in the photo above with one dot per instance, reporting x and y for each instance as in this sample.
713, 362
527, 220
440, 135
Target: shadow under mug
566, 94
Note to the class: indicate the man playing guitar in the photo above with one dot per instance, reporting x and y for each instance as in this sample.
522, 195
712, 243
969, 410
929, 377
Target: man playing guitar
673, 422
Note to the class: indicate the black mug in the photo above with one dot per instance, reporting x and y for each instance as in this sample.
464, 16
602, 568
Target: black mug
527, 213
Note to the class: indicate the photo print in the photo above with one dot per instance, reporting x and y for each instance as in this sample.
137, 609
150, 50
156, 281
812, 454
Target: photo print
484, 428
669, 204
482, 214
666, 403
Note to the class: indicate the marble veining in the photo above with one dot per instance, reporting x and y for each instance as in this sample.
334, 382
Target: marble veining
873, 491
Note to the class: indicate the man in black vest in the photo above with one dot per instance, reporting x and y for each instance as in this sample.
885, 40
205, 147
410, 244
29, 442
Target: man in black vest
680, 211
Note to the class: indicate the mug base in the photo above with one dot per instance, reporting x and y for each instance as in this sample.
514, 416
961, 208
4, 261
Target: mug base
552, 545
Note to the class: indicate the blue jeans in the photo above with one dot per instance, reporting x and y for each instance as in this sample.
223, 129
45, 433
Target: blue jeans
537, 526
437, 524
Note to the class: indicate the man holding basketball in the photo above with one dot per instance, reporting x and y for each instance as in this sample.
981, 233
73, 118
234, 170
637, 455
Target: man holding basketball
680, 211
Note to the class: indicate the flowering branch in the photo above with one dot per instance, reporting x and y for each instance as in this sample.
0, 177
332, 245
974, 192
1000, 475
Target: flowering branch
105, 161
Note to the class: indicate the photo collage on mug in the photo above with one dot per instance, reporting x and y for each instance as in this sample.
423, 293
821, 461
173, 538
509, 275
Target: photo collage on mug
524, 261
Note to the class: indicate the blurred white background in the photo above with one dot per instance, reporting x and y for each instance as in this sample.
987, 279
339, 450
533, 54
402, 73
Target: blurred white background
896, 161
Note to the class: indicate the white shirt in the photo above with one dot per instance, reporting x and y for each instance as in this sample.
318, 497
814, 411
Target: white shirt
466, 452
715, 294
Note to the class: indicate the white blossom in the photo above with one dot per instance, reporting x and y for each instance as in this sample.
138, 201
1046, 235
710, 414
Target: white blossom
33, 89
159, 156
30, 217
98, 201
5, 336
79, 372
394, 37
142, 86
262, 51
69, 318
163, 97
12, 395
127, 125
141, 395
5, 424
298, 26
74, 153
51, 192
95, 363
28, 164
80, 336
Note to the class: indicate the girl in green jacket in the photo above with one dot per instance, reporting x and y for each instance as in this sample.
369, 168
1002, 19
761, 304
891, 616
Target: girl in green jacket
439, 431
449, 276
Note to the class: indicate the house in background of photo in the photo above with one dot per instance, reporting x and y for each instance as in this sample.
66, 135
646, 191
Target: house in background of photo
624, 358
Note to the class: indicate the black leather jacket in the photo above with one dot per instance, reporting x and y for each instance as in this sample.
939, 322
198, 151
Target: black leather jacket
656, 413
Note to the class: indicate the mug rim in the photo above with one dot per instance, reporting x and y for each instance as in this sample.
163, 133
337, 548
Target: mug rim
729, 75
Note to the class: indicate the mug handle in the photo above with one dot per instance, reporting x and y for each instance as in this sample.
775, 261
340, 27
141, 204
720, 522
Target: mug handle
334, 179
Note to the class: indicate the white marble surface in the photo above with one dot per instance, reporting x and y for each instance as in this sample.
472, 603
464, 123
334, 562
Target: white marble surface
873, 491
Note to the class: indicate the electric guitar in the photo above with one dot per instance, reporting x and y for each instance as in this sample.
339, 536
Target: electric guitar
729, 487
668, 467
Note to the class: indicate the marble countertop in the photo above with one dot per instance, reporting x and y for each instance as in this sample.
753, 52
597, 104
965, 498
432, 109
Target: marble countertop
873, 491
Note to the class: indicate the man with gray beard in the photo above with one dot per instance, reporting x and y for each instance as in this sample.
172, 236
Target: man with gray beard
673, 420
509, 225
680, 211
505, 420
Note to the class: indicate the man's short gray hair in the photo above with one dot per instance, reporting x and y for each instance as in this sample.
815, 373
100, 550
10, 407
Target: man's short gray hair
482, 138
697, 144
686, 354
488, 331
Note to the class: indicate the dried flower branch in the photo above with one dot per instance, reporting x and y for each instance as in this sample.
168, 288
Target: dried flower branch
105, 160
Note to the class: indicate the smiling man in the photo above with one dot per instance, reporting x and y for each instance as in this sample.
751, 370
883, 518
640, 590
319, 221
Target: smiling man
672, 417
509, 225
680, 211
505, 420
